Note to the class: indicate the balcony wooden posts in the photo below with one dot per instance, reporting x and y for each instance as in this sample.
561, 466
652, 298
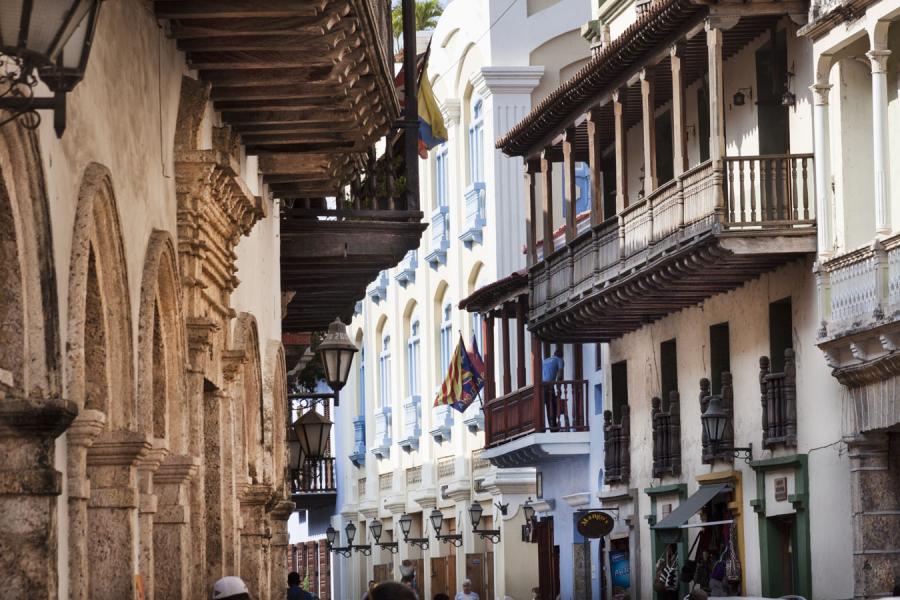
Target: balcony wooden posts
778, 393
595, 162
569, 170
679, 142
537, 377
490, 378
530, 214
621, 150
648, 90
547, 200
507, 362
714, 47
520, 341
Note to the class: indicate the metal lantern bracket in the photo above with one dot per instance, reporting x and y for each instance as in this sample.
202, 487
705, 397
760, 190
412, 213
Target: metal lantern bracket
451, 538
364, 549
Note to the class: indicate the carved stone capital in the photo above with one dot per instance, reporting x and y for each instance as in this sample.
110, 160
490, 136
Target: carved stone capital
820, 93
118, 449
450, 109
177, 469
85, 428
878, 59
282, 510
507, 80
257, 494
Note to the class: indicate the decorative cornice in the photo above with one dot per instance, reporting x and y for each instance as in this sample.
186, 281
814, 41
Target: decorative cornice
177, 469
368, 509
459, 491
506, 80
118, 448
579, 500
426, 499
27, 417
395, 504
450, 110
510, 481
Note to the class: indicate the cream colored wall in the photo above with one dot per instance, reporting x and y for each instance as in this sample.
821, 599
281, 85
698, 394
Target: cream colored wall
122, 116
818, 413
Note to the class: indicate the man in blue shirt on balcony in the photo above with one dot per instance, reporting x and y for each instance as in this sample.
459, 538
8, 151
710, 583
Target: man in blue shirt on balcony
552, 370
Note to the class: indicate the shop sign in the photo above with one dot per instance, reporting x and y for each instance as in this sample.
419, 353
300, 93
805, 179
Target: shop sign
621, 570
781, 489
595, 524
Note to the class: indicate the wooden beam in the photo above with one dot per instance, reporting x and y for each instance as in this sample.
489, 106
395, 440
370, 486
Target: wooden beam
530, 213
619, 97
520, 340
679, 141
257, 59
569, 170
236, 9
595, 164
507, 362
313, 40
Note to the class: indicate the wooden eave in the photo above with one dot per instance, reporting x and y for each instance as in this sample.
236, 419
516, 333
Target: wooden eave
293, 78
494, 295
685, 274
645, 42
331, 261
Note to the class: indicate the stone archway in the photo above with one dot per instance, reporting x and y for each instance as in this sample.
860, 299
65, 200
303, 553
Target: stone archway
104, 448
163, 417
32, 413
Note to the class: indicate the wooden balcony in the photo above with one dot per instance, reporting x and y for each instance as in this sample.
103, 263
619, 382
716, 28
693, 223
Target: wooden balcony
705, 232
313, 485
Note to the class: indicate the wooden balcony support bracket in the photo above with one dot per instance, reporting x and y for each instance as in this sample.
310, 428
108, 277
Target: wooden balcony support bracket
569, 166
507, 362
666, 420
547, 200
617, 447
595, 159
648, 91
778, 394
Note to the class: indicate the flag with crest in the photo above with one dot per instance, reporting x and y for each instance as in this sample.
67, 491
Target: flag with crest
464, 379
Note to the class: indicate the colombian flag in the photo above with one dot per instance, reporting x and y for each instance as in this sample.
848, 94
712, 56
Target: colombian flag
432, 130
463, 381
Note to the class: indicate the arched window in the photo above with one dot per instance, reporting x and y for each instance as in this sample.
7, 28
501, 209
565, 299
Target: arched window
384, 368
412, 358
362, 380
442, 175
476, 141
446, 326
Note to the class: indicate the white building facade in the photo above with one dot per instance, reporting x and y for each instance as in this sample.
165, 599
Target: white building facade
490, 63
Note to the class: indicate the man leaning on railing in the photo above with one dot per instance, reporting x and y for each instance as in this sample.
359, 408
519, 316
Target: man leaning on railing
551, 371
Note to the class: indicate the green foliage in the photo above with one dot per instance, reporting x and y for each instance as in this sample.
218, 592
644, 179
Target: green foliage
427, 13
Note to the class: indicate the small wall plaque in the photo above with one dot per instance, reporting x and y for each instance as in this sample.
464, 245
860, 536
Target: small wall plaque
781, 493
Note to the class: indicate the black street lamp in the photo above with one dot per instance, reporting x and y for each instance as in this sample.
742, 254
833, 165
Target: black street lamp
364, 549
437, 522
475, 511
376, 528
336, 353
528, 527
52, 37
405, 527
715, 424
331, 536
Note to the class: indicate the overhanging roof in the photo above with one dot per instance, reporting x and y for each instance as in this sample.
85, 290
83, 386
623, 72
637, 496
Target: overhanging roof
493, 294
692, 505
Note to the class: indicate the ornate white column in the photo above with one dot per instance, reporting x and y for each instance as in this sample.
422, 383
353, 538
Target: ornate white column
879, 60
822, 147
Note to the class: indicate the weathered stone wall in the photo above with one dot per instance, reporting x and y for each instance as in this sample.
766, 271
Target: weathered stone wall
142, 379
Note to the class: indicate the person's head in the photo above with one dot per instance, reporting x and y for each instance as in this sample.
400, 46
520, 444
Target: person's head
441, 597
407, 580
371, 584
230, 588
467, 585
391, 590
293, 578
558, 353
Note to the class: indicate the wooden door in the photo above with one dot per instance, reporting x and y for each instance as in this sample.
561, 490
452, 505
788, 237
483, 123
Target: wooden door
548, 560
419, 566
489, 575
451, 574
475, 572
439, 575
383, 572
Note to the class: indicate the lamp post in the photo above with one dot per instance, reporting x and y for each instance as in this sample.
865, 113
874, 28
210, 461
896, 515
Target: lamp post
331, 536
364, 549
715, 423
405, 526
437, 522
376, 528
528, 512
336, 353
52, 38
475, 511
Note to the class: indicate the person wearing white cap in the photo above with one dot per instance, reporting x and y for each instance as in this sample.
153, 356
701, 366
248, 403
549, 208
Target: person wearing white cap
230, 588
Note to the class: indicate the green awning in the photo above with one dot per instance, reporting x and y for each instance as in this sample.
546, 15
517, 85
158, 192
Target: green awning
689, 507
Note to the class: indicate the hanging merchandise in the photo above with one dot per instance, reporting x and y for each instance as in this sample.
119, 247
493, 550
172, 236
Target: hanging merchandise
690, 564
732, 563
666, 579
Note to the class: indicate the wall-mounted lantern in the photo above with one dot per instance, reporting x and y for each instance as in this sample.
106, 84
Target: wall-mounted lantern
475, 512
437, 522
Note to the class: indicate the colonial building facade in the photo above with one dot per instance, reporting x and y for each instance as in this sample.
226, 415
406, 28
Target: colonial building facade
143, 401
398, 453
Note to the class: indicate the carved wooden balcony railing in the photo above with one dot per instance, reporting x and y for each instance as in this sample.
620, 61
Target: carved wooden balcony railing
779, 402
727, 404
315, 476
515, 414
685, 236
666, 436
617, 447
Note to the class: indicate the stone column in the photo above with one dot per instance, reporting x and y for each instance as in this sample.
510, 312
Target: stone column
279, 561
113, 534
822, 150
29, 486
215, 494
172, 547
80, 436
875, 502
194, 385
255, 536
879, 59
146, 511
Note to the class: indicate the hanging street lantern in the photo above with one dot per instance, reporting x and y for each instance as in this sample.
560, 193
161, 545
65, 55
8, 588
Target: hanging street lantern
715, 422
376, 528
475, 512
52, 38
528, 511
312, 430
437, 522
406, 526
330, 535
336, 353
